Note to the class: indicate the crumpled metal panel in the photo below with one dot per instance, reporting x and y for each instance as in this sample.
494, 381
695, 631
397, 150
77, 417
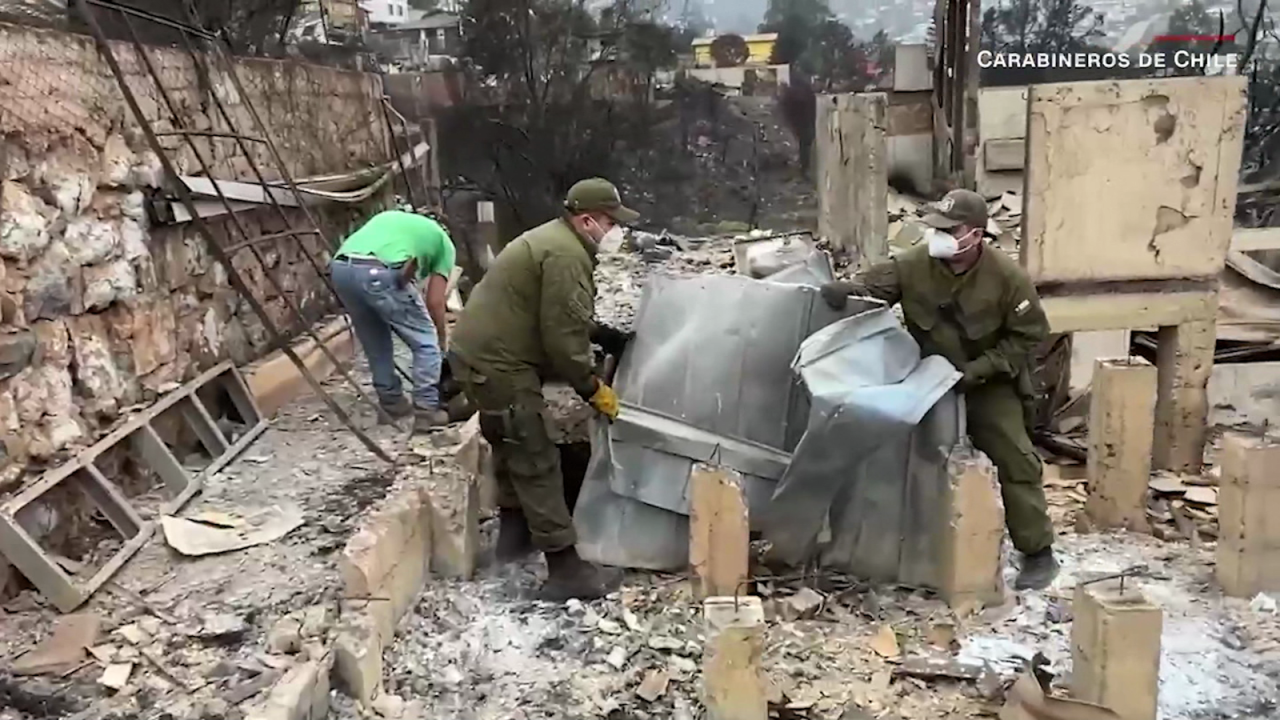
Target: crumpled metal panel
715, 351
708, 378
868, 463
815, 271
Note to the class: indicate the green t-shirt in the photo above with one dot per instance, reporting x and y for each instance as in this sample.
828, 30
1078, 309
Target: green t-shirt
394, 236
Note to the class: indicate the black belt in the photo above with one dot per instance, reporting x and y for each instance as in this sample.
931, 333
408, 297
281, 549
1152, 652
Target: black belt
369, 261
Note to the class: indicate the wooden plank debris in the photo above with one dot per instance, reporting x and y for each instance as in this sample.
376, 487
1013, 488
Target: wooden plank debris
65, 649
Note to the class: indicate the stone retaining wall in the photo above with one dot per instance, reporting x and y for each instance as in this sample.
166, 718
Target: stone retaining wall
101, 308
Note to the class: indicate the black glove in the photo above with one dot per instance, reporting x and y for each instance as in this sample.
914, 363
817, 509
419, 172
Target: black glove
976, 373
611, 340
836, 294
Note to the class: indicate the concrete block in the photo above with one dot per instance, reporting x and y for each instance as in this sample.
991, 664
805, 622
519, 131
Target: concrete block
1184, 358
1128, 310
1248, 552
455, 523
733, 685
357, 656
911, 70
1008, 154
387, 561
476, 457
719, 531
378, 545
1087, 347
275, 380
1121, 425
971, 549
1115, 649
302, 694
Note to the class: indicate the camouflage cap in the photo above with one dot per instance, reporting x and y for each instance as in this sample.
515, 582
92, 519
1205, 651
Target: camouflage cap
599, 195
958, 207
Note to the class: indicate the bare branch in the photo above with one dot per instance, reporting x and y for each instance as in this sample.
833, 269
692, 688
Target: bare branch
1253, 35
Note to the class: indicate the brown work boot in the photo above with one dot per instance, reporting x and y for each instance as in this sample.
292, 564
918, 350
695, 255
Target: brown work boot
398, 408
424, 420
514, 539
569, 576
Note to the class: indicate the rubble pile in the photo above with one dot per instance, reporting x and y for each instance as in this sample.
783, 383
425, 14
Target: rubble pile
1184, 507
834, 645
620, 277
478, 648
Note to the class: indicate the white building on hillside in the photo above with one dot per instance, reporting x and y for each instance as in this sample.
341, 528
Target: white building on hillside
386, 12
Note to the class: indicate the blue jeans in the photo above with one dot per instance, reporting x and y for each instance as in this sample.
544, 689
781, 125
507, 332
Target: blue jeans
378, 307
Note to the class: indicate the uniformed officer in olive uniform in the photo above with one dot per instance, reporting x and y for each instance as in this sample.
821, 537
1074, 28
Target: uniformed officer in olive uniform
529, 320
971, 303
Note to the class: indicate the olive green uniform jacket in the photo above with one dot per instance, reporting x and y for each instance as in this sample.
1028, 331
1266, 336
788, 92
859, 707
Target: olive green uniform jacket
528, 321
533, 310
988, 322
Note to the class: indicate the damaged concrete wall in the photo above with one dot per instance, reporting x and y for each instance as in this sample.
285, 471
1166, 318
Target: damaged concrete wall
1002, 134
1154, 161
101, 309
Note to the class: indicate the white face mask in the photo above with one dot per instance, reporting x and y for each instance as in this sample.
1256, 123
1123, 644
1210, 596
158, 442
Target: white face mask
941, 244
612, 240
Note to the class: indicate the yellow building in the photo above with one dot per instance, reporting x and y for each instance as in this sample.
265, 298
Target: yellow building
759, 50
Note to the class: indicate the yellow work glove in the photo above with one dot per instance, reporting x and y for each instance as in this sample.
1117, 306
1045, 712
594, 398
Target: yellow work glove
605, 401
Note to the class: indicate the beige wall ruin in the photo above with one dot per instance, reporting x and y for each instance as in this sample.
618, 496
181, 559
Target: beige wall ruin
1154, 161
100, 309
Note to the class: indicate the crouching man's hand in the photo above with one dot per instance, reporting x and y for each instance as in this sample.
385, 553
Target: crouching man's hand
836, 294
976, 373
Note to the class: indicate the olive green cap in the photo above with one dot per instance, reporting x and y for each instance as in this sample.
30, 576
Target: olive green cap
958, 207
599, 195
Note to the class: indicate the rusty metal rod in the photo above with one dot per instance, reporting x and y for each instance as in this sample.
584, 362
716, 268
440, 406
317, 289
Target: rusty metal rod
247, 241
203, 70
185, 196
210, 134
237, 246
158, 19
395, 146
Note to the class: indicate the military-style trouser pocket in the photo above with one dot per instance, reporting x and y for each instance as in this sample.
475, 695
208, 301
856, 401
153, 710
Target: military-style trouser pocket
519, 434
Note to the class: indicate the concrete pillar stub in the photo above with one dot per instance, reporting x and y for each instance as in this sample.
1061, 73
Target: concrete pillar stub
733, 684
971, 560
719, 531
1184, 358
1121, 426
1248, 552
1115, 649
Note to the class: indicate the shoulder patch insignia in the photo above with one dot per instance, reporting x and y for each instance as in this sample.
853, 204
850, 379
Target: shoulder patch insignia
1022, 306
580, 305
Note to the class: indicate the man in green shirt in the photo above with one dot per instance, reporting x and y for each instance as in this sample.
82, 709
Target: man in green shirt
376, 273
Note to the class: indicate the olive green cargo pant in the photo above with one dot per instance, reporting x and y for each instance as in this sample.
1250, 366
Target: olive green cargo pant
997, 426
526, 462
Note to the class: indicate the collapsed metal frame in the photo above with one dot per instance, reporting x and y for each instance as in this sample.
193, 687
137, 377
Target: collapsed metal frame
181, 484
203, 46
